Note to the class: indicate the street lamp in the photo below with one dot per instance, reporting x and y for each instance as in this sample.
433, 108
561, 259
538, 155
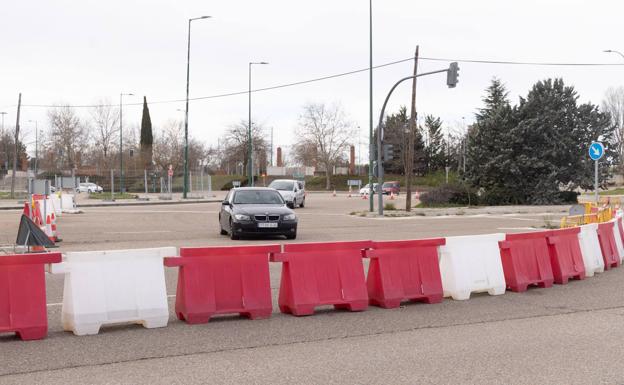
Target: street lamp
250, 177
6, 163
613, 51
121, 175
36, 145
188, 59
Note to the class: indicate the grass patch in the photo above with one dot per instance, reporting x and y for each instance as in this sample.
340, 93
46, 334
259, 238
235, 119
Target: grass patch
107, 196
17, 195
389, 206
617, 191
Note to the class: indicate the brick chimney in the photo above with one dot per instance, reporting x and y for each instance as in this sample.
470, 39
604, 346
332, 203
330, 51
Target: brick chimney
352, 160
279, 157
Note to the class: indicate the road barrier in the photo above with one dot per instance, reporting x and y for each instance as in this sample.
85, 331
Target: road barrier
618, 238
121, 286
472, 264
404, 270
606, 237
590, 249
565, 255
23, 294
317, 274
223, 280
526, 260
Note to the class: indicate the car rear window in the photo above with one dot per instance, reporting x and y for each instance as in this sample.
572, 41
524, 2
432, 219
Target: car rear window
282, 185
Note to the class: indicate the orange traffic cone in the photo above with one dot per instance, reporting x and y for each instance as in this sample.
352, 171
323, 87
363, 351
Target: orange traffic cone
391, 195
48, 228
54, 231
365, 196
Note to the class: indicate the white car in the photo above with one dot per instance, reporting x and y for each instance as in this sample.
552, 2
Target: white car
293, 191
366, 189
89, 188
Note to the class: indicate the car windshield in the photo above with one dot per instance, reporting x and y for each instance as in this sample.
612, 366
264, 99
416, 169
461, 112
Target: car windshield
258, 197
283, 185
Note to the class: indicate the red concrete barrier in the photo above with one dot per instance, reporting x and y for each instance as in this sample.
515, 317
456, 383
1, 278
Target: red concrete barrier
316, 274
23, 295
608, 246
404, 270
566, 258
223, 280
526, 260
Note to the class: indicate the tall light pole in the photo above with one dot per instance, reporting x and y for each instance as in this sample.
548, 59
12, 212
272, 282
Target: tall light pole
370, 107
249, 138
188, 61
6, 163
36, 145
614, 51
121, 173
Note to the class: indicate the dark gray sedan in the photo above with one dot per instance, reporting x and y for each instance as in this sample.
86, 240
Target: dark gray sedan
256, 211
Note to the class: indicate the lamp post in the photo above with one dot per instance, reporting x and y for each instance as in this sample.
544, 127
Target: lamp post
614, 51
370, 107
121, 173
36, 145
188, 60
249, 138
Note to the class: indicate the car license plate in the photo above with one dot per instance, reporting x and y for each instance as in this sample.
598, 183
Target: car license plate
267, 225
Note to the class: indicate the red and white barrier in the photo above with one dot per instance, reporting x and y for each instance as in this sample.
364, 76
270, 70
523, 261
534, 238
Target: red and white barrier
121, 286
472, 264
590, 249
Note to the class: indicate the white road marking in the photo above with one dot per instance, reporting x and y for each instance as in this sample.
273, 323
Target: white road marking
138, 232
61, 303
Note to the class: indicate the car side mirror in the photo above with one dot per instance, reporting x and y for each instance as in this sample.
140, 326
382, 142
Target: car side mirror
225, 203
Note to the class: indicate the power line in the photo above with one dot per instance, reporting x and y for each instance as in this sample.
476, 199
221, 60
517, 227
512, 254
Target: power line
285, 85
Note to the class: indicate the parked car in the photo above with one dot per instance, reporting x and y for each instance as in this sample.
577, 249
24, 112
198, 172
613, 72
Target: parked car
293, 191
256, 211
391, 187
89, 188
366, 189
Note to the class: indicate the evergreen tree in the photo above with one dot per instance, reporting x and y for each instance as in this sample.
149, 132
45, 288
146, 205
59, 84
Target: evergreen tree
435, 150
488, 154
147, 139
396, 132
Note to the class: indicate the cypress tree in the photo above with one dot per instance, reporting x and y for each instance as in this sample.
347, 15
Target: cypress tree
147, 138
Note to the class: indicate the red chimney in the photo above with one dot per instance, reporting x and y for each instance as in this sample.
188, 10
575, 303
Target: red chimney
352, 161
279, 157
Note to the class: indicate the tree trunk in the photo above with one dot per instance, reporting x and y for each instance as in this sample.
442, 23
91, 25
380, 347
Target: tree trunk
327, 179
409, 164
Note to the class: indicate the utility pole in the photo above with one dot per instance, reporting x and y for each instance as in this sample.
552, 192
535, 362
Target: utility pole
19, 107
409, 166
6, 146
271, 146
370, 109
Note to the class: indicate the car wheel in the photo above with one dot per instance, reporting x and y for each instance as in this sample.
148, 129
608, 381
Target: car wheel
290, 205
222, 232
233, 236
302, 204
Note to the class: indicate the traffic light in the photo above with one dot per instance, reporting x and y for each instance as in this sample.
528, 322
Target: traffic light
452, 75
388, 152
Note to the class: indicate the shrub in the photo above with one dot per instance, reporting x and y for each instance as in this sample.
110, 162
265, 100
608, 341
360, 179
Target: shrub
449, 194
389, 206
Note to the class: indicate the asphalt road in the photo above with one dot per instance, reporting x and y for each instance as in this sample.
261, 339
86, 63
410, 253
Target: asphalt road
567, 334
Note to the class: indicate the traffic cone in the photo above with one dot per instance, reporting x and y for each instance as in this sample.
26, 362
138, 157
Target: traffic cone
334, 193
54, 231
391, 195
365, 196
48, 228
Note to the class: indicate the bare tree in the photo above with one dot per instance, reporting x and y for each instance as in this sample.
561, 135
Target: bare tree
328, 128
236, 144
169, 146
68, 135
304, 153
105, 120
613, 103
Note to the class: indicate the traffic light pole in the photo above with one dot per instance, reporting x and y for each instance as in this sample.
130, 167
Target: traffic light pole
380, 133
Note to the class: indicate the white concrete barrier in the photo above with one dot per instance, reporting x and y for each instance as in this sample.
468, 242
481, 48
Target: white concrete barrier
590, 248
472, 264
618, 238
120, 286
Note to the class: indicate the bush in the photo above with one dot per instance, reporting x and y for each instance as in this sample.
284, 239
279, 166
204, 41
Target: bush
569, 197
389, 206
449, 194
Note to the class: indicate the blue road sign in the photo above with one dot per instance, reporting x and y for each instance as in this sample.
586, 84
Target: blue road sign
596, 150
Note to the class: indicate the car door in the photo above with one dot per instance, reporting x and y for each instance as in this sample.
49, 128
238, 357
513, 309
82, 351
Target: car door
225, 212
301, 192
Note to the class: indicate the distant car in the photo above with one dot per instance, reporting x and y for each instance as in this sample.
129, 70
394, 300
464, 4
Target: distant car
391, 187
256, 211
89, 188
293, 191
366, 189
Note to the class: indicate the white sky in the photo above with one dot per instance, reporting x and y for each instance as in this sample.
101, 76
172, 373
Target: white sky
79, 52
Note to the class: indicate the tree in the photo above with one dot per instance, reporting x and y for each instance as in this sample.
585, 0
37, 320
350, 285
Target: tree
304, 152
435, 148
488, 151
147, 139
105, 120
330, 130
169, 145
68, 135
236, 145
613, 104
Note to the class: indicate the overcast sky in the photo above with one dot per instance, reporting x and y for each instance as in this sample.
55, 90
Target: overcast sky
79, 52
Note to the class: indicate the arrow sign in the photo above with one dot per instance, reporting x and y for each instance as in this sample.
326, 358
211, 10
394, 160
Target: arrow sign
596, 150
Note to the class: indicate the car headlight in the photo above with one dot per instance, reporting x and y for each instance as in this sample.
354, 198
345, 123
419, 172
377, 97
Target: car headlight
241, 217
290, 217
